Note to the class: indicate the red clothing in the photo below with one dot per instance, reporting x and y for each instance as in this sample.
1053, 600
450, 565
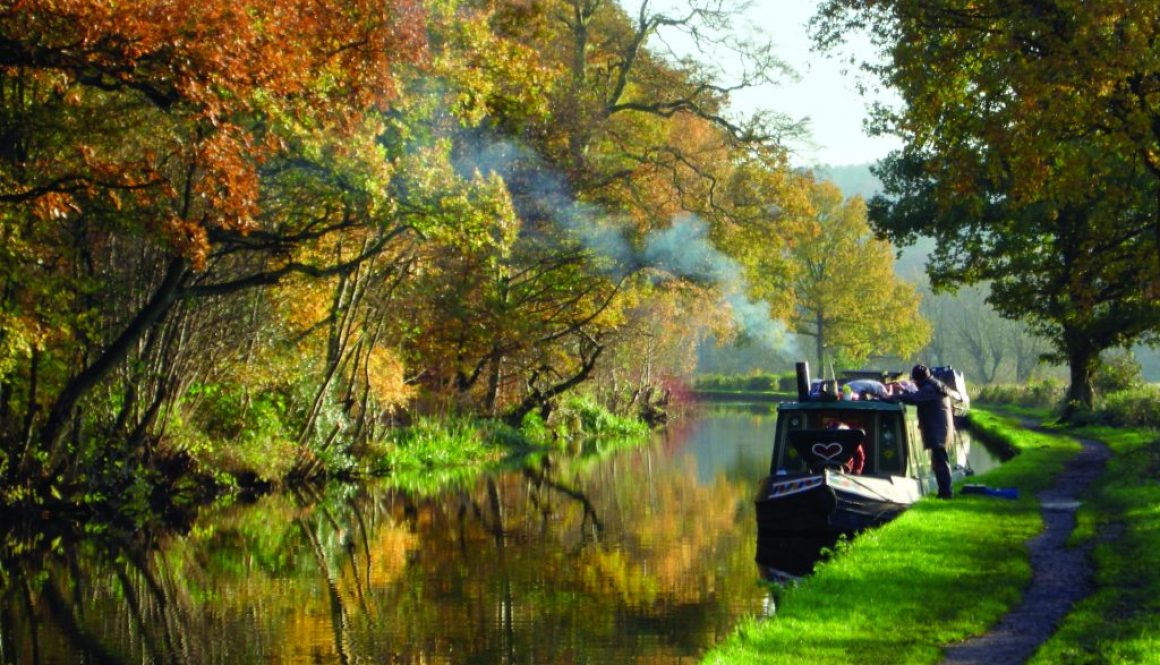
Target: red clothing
858, 461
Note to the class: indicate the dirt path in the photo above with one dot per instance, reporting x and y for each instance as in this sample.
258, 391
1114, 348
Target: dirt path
1061, 576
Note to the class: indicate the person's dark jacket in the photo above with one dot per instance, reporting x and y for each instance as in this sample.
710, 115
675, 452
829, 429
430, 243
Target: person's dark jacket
933, 400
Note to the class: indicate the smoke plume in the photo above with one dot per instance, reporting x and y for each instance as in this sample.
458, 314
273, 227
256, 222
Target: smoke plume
681, 251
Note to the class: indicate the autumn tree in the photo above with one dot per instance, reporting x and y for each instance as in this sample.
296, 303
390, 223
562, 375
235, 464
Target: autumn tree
633, 139
143, 134
511, 324
1030, 157
309, 206
848, 297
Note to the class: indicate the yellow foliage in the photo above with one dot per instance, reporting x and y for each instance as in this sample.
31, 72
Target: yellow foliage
385, 374
389, 554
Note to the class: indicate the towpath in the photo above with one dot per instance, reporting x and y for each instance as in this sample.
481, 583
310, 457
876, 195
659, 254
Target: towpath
1061, 576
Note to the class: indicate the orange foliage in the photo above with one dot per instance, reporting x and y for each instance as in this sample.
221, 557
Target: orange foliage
389, 554
211, 67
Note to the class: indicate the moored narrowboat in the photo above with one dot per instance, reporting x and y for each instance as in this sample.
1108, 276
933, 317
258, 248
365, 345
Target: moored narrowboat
845, 458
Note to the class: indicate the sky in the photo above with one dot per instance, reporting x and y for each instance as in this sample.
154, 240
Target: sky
824, 93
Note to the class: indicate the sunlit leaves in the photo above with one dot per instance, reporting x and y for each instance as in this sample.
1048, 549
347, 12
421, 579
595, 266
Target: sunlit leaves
205, 70
487, 76
1031, 134
848, 297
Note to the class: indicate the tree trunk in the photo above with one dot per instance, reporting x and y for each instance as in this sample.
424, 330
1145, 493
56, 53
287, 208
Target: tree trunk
578, 139
538, 398
1082, 358
491, 401
820, 341
62, 410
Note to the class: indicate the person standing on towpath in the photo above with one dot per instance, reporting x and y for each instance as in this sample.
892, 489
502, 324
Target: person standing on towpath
933, 400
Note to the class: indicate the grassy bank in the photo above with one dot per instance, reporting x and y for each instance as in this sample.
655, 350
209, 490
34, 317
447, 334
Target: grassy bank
747, 388
940, 572
432, 454
1117, 623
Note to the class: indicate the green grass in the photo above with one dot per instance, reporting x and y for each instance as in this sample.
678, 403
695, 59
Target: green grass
1117, 623
434, 454
943, 571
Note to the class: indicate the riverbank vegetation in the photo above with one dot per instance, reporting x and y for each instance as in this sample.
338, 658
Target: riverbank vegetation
942, 571
1047, 196
246, 243
243, 244
1121, 397
755, 386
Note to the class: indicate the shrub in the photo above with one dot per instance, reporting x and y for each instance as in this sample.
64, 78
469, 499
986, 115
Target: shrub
1138, 407
593, 419
748, 382
787, 383
1118, 371
242, 434
1047, 393
433, 442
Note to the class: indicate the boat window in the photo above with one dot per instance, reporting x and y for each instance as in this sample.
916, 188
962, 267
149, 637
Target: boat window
891, 456
789, 460
862, 421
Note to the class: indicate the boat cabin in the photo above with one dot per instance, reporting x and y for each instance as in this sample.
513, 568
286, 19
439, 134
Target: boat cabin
845, 457
811, 435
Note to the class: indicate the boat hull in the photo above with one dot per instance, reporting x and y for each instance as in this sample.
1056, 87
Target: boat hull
830, 503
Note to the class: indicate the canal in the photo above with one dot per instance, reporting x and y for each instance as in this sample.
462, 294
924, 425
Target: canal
638, 556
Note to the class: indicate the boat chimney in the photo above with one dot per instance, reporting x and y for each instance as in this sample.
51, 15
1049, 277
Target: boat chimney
803, 381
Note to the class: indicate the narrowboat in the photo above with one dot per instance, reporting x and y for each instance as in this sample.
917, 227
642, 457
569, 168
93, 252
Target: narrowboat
845, 458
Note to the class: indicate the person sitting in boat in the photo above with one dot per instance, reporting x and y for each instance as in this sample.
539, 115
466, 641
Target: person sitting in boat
857, 461
936, 422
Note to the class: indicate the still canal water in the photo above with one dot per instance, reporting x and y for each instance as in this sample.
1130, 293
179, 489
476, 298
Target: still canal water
642, 556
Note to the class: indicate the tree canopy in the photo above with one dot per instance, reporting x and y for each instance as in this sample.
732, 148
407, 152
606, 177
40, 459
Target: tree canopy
1030, 157
254, 236
848, 296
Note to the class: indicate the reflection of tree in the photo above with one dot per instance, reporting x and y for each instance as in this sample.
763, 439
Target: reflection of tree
520, 567
30, 613
62, 613
134, 565
337, 611
541, 479
112, 599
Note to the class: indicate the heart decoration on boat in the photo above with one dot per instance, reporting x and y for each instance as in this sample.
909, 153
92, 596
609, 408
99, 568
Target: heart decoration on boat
827, 451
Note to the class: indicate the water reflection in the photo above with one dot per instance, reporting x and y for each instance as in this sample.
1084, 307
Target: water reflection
785, 558
642, 556
980, 458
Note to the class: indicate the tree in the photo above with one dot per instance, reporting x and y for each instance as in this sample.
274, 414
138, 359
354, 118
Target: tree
634, 139
1033, 73
1030, 156
973, 337
625, 77
848, 297
150, 137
